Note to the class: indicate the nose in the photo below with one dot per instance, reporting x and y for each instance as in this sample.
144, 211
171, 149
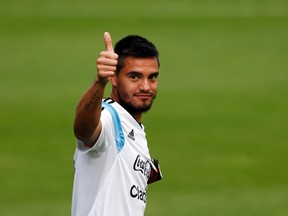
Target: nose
144, 85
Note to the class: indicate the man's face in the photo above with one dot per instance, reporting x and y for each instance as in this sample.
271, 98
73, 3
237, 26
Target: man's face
136, 85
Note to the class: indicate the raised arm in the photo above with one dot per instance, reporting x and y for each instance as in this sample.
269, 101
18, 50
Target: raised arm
87, 124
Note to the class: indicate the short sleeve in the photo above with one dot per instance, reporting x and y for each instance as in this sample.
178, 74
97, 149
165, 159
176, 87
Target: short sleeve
105, 139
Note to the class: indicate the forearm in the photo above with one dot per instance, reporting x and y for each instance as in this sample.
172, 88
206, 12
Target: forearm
88, 113
87, 125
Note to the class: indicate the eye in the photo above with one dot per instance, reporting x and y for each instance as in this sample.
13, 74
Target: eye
153, 76
134, 76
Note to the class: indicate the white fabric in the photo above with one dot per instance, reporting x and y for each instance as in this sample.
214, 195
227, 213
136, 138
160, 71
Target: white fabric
108, 182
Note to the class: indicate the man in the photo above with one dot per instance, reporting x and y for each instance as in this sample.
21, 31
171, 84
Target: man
112, 162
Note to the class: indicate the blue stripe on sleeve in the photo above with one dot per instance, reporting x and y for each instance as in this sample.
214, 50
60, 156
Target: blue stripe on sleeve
119, 135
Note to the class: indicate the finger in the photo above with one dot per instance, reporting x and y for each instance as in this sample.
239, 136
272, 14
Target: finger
106, 68
107, 54
106, 61
108, 42
106, 74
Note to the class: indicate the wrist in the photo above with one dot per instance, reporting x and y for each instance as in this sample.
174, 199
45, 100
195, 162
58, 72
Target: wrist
101, 80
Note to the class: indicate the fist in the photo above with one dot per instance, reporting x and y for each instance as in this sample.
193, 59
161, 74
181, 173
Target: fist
107, 60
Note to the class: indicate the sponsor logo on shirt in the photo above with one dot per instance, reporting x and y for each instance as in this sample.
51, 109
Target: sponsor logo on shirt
143, 166
137, 193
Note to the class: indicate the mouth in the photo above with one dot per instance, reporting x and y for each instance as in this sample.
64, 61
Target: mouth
144, 95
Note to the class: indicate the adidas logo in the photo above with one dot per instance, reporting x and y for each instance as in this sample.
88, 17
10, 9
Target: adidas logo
131, 135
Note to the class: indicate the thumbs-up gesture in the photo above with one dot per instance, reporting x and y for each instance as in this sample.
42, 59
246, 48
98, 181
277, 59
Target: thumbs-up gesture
107, 60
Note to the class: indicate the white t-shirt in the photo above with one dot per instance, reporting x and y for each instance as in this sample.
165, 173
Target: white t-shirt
111, 178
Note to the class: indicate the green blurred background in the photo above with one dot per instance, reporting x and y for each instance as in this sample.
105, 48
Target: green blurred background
219, 124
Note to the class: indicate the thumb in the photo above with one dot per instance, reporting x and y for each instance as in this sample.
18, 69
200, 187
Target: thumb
108, 42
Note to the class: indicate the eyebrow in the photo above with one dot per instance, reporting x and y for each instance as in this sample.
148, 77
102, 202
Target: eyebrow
133, 73
155, 73
139, 73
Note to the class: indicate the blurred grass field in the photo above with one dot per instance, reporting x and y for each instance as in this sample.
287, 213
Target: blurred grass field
219, 124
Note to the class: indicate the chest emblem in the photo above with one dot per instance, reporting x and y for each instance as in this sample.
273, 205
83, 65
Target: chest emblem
131, 135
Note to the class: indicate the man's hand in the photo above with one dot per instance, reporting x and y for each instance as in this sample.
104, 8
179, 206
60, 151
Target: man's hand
107, 61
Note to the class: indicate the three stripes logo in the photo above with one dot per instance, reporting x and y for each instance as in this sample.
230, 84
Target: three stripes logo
131, 135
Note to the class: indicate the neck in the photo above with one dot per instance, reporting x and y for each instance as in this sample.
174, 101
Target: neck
137, 115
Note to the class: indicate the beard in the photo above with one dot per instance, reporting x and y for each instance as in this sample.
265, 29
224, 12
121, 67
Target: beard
134, 108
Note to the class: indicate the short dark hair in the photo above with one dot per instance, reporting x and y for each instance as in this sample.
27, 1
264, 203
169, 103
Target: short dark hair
134, 46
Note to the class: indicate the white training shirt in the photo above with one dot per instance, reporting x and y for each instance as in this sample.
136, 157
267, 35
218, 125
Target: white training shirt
111, 178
